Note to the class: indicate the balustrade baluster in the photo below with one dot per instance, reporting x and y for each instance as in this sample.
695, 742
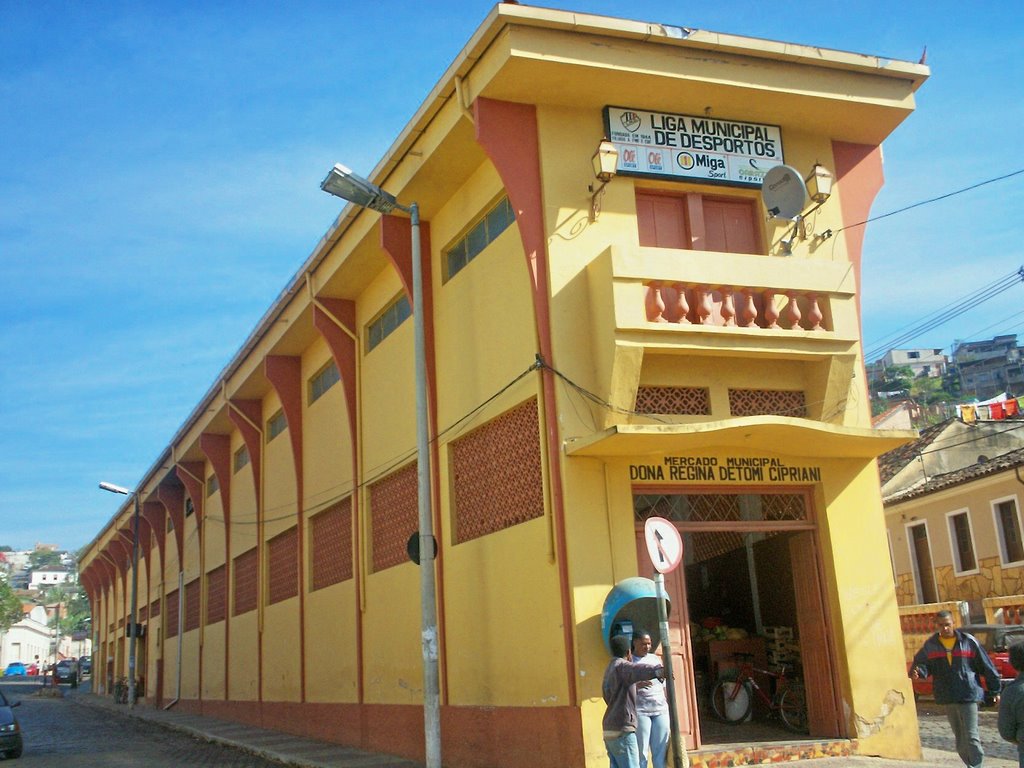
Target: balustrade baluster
792, 311
654, 304
703, 304
771, 312
728, 306
814, 314
748, 313
680, 306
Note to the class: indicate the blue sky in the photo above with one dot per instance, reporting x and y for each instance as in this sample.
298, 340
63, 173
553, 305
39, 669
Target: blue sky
159, 184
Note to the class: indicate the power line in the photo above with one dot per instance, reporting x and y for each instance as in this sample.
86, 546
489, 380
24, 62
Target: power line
931, 200
944, 314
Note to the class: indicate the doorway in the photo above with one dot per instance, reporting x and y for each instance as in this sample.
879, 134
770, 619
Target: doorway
921, 558
749, 590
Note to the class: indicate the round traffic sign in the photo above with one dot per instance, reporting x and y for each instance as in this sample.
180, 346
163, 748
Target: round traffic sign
664, 544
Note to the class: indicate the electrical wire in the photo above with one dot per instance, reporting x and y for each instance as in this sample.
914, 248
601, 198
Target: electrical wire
944, 314
931, 200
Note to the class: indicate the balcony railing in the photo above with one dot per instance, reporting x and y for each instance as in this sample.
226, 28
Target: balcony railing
744, 307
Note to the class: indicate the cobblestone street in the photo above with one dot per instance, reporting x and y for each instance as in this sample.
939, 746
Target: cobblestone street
59, 733
935, 732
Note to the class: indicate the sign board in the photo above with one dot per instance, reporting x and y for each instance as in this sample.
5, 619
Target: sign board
684, 147
664, 544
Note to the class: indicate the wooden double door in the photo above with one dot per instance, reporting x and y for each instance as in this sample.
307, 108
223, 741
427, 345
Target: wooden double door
816, 647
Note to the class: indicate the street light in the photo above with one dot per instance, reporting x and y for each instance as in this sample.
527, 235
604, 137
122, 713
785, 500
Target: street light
132, 627
342, 182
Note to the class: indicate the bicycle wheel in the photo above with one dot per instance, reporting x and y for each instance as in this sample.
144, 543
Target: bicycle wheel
793, 708
731, 701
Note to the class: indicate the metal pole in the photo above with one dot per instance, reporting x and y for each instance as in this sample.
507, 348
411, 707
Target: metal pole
680, 758
133, 628
431, 694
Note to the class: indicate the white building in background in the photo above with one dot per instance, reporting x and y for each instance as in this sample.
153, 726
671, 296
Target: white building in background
28, 640
923, 362
50, 576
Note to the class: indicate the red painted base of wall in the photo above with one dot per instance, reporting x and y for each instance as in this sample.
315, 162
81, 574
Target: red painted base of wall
471, 737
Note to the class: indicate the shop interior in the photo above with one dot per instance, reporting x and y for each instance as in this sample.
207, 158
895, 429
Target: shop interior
742, 606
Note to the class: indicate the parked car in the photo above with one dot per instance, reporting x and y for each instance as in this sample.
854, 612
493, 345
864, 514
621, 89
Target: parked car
15, 668
67, 672
996, 639
31, 669
85, 665
10, 732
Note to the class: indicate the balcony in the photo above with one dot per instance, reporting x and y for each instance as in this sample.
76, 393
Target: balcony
707, 302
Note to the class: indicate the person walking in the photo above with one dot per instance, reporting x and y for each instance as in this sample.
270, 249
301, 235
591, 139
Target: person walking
619, 691
955, 660
1011, 710
651, 707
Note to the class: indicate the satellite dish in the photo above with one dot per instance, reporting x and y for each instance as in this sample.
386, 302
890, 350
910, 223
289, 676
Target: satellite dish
784, 192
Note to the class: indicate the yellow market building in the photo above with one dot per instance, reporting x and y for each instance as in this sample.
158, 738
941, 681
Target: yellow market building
669, 342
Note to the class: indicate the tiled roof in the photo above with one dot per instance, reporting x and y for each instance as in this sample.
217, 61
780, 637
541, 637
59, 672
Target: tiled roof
889, 464
958, 477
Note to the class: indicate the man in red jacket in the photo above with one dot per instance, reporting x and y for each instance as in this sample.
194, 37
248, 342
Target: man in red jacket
955, 660
619, 692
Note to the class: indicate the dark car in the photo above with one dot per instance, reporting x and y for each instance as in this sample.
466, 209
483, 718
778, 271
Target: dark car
85, 665
67, 672
10, 732
996, 639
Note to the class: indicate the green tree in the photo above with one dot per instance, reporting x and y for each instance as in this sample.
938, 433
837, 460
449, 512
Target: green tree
10, 607
43, 558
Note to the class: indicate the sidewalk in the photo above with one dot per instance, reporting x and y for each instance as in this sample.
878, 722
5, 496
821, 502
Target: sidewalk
310, 753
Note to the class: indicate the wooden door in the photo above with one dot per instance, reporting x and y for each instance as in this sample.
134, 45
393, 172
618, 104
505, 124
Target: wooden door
679, 640
729, 226
816, 652
922, 554
661, 221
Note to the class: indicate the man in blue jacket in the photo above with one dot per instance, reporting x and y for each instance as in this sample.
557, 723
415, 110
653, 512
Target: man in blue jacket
955, 660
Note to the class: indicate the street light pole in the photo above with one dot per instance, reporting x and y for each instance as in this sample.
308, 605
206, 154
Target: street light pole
347, 185
132, 627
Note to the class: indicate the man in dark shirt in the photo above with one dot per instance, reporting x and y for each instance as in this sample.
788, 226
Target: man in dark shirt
619, 692
955, 660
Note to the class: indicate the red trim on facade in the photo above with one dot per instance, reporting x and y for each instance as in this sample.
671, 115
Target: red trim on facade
217, 449
244, 414
859, 176
191, 475
396, 240
513, 737
285, 376
173, 499
508, 134
345, 353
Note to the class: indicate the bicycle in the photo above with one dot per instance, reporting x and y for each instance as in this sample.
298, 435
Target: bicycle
732, 697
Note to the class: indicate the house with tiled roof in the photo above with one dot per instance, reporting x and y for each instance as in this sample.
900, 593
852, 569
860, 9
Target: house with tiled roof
952, 503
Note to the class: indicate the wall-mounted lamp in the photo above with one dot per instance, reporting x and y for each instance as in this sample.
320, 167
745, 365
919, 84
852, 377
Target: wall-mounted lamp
605, 162
819, 184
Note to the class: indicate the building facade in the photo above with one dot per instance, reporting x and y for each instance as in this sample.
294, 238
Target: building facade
990, 367
660, 346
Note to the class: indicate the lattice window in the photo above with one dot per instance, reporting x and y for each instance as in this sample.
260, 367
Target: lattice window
283, 565
496, 474
330, 538
112, 627
767, 402
154, 608
172, 613
394, 516
717, 543
120, 623
143, 613
193, 604
216, 595
721, 507
679, 401
244, 572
